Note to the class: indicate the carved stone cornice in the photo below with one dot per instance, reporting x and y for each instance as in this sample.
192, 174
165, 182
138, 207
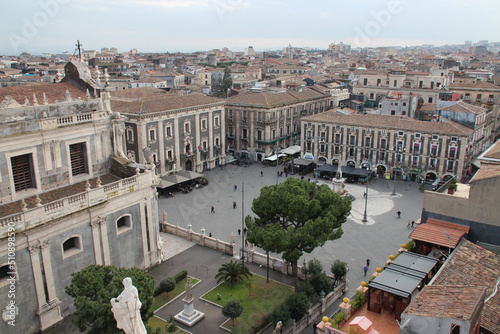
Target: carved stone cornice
34, 248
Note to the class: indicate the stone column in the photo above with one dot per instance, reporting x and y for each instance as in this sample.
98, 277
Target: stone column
161, 146
47, 269
105, 243
37, 273
96, 241
210, 143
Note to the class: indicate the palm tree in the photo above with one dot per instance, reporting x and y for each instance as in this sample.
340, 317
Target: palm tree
232, 272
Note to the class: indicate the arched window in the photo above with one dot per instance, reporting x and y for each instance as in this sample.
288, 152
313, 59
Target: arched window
123, 224
71, 246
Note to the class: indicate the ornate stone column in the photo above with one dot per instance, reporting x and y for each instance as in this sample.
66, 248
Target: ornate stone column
96, 241
105, 243
37, 273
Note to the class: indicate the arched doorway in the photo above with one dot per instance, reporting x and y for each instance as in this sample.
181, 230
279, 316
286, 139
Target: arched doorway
397, 173
321, 161
351, 163
381, 170
335, 161
188, 165
414, 175
430, 176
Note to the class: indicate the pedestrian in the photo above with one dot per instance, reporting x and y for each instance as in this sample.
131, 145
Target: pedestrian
286, 174
210, 234
409, 224
315, 328
365, 269
245, 231
246, 242
239, 231
234, 204
398, 213
261, 173
235, 187
367, 262
213, 209
364, 194
412, 223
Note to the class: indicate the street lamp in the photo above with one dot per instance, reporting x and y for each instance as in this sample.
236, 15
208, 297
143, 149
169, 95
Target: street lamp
365, 219
278, 151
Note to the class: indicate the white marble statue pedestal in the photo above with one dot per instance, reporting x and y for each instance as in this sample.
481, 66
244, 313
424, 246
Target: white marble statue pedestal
189, 316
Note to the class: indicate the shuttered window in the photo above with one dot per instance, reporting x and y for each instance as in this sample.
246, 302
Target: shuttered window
22, 171
78, 161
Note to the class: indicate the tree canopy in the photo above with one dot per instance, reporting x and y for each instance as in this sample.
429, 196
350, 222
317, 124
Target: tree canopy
92, 289
296, 217
232, 272
227, 82
232, 309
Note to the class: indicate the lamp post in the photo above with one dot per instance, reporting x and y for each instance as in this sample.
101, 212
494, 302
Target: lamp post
365, 219
278, 151
394, 171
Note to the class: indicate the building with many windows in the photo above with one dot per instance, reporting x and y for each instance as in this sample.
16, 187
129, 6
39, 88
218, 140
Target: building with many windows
67, 199
388, 144
261, 122
183, 132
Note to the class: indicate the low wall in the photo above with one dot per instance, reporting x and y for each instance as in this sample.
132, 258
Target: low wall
315, 312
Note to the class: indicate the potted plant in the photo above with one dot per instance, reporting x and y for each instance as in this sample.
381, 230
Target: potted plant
452, 187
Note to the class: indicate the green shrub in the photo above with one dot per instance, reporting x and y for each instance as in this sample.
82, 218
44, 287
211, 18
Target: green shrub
307, 288
358, 300
410, 245
180, 276
298, 304
338, 318
281, 313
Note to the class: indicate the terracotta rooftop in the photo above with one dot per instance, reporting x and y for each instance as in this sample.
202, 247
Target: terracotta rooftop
465, 108
459, 302
430, 232
486, 171
428, 107
53, 92
269, 100
136, 93
493, 152
478, 84
390, 122
472, 265
54, 195
158, 103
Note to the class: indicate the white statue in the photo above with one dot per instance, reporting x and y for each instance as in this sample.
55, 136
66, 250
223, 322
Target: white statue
127, 309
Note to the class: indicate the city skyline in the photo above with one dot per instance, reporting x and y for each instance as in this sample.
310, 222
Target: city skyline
195, 25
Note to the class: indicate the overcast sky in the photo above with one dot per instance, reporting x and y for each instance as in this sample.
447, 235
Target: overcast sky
38, 26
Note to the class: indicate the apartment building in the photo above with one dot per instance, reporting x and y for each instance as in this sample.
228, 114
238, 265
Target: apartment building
388, 144
261, 122
183, 132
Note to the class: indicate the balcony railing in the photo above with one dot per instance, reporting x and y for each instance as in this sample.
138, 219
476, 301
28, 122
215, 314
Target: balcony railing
65, 206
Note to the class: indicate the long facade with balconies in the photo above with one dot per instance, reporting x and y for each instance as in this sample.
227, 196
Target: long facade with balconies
262, 122
388, 144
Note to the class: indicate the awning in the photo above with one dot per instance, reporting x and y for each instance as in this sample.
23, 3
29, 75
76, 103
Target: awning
165, 184
291, 150
230, 159
302, 162
308, 156
274, 157
176, 179
190, 175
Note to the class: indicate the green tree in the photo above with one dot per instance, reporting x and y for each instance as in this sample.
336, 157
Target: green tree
339, 270
167, 285
232, 309
227, 82
232, 272
92, 289
296, 217
298, 304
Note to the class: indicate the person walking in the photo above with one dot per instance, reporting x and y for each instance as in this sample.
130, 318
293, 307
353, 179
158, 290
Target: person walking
245, 231
409, 224
213, 209
239, 231
234, 204
261, 173
365, 269
368, 262
235, 187
398, 213
412, 223
210, 234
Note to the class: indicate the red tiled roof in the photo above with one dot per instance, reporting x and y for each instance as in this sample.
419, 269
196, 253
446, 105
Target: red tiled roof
53, 92
459, 302
431, 232
472, 265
